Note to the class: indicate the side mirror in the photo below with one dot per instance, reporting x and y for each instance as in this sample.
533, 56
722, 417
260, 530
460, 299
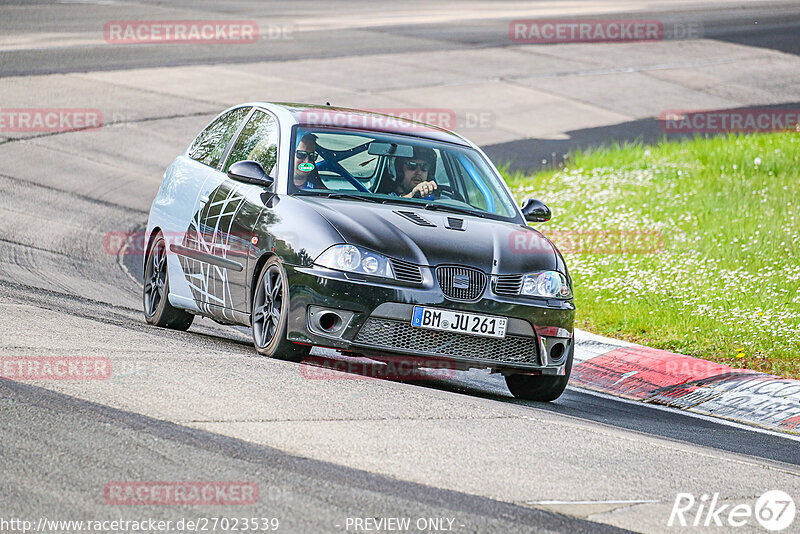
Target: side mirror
536, 211
250, 172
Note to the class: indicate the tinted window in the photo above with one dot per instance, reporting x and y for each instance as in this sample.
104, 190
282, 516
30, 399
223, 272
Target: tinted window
356, 162
464, 180
210, 145
258, 142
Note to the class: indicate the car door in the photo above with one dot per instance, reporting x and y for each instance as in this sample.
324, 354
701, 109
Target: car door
207, 150
177, 201
227, 219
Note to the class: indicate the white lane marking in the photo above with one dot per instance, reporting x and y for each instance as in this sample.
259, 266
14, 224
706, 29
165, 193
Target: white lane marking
585, 335
91, 2
647, 501
121, 263
718, 420
604, 71
623, 377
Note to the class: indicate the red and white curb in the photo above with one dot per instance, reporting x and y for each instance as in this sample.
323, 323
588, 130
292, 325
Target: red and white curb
661, 377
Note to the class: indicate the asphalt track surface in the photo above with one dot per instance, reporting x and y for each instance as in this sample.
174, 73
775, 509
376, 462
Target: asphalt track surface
307, 495
200, 405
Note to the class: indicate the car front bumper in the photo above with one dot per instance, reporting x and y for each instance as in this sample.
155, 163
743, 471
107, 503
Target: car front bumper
377, 323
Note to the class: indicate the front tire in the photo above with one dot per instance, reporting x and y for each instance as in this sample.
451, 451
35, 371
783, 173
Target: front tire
270, 313
155, 290
541, 388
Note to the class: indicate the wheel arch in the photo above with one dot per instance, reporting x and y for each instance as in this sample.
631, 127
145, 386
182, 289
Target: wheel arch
153, 233
259, 265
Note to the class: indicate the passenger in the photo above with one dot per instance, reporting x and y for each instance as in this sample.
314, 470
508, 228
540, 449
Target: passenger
416, 174
306, 152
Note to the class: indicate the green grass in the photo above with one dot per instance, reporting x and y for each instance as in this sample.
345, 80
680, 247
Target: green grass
722, 282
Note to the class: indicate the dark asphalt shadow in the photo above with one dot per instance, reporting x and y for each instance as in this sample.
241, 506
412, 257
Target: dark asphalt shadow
583, 405
98, 444
533, 154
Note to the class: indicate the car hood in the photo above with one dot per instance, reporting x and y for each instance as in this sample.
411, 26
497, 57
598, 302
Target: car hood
493, 246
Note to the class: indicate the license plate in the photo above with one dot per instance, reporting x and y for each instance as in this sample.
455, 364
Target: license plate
460, 322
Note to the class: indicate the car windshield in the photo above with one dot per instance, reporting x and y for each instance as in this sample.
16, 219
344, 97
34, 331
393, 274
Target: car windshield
397, 169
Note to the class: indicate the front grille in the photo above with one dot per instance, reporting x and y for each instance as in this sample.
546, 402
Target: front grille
406, 272
508, 284
461, 283
398, 335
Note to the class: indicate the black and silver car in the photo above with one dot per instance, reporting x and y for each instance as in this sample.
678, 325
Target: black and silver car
301, 222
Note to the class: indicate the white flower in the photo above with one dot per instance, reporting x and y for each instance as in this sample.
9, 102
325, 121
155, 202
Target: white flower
757, 162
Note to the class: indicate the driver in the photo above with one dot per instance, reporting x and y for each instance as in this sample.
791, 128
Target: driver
306, 153
416, 175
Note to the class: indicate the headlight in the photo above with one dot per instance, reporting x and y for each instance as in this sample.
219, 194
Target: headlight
353, 259
546, 284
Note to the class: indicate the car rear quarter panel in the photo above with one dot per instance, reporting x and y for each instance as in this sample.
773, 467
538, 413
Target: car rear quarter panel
172, 209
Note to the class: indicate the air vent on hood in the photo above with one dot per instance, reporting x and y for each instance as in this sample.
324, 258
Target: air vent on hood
415, 218
454, 223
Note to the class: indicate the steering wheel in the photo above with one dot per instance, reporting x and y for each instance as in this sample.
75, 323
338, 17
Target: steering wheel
436, 193
449, 192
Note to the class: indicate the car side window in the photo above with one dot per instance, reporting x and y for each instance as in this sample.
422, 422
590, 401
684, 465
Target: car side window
475, 196
210, 145
257, 142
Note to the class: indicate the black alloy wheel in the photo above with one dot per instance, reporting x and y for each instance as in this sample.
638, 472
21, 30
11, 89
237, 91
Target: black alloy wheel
157, 309
269, 315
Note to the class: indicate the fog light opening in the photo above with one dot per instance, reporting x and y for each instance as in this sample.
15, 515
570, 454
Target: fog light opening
329, 321
557, 352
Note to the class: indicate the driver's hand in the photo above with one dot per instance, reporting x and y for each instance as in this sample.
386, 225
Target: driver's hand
423, 188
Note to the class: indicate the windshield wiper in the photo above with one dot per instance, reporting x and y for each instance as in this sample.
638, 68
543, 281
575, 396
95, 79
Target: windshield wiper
431, 206
350, 196
454, 209
399, 200
309, 193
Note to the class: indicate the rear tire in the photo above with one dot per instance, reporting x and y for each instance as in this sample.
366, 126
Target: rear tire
155, 290
270, 314
542, 388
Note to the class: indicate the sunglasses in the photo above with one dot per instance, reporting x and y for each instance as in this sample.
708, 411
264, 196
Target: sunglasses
413, 165
303, 155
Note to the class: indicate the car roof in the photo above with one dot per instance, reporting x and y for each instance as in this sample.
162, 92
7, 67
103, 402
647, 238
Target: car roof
313, 115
